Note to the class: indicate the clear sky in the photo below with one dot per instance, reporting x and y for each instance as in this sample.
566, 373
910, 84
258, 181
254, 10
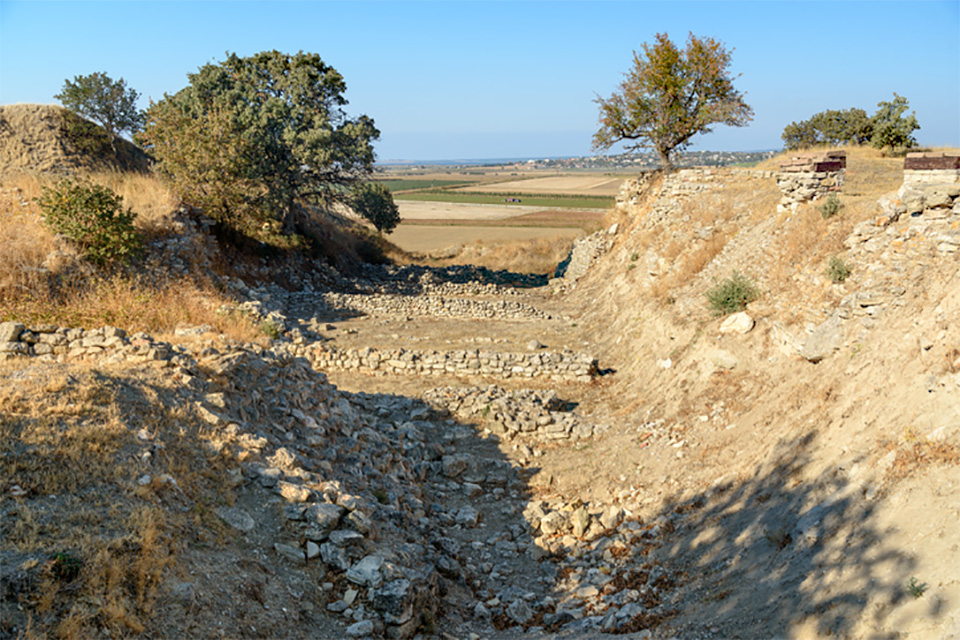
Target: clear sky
458, 80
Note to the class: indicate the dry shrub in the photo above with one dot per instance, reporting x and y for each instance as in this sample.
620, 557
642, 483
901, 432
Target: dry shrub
699, 257
806, 239
673, 249
915, 452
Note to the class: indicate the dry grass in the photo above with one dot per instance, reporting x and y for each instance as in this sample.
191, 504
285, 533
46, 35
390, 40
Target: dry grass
25, 240
99, 544
916, 453
42, 280
539, 255
152, 201
135, 304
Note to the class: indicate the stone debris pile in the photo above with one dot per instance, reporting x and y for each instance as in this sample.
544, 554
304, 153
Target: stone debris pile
525, 413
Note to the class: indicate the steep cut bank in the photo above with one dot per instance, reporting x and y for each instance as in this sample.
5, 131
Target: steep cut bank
817, 433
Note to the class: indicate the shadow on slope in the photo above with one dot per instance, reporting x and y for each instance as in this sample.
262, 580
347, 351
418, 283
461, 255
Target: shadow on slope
774, 554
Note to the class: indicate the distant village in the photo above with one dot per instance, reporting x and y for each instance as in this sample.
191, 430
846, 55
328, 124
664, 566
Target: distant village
621, 162
634, 161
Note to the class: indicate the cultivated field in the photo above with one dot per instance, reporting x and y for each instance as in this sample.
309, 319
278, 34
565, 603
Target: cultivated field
578, 184
423, 210
443, 210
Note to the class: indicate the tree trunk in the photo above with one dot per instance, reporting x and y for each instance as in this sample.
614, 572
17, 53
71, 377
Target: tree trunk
665, 163
290, 218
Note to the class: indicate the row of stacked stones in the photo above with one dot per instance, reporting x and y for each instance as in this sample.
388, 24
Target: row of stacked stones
562, 366
810, 176
419, 305
525, 413
50, 342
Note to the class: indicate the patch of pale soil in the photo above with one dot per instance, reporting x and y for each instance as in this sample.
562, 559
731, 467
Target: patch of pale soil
417, 210
587, 185
423, 238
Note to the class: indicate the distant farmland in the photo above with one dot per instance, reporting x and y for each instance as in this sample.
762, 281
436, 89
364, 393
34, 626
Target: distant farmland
559, 201
401, 185
442, 210
576, 185
561, 192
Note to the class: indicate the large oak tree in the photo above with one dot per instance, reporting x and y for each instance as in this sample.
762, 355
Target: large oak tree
256, 139
669, 96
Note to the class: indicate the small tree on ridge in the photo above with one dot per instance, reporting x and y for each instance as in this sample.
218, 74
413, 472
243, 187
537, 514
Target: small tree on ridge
107, 102
669, 96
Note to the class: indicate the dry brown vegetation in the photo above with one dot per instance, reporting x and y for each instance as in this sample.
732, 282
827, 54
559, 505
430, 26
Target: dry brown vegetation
101, 537
539, 255
43, 280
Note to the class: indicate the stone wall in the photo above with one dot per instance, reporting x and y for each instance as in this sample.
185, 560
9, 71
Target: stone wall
807, 177
585, 251
420, 305
60, 344
559, 367
927, 208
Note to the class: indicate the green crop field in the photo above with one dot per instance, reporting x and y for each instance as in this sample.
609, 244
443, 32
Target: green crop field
401, 185
526, 200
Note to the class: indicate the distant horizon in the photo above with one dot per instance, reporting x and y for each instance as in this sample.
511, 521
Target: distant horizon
499, 79
522, 158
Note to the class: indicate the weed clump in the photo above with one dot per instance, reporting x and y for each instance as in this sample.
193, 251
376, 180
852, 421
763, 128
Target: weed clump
830, 207
732, 295
915, 588
271, 329
93, 217
837, 270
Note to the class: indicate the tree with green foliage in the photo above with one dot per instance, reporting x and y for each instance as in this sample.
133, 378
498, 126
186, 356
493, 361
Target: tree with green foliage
830, 127
107, 102
891, 128
260, 138
886, 128
374, 202
92, 217
671, 95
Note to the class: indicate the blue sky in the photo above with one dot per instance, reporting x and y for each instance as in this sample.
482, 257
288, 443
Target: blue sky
446, 80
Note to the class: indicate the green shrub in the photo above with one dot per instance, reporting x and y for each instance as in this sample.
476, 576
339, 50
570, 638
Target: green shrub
837, 270
271, 328
65, 566
93, 217
830, 207
733, 294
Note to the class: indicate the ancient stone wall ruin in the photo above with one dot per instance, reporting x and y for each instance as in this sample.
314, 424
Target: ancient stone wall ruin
562, 366
808, 177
